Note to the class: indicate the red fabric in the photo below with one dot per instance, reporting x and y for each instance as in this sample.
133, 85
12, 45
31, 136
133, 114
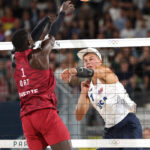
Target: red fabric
36, 88
6, 20
44, 127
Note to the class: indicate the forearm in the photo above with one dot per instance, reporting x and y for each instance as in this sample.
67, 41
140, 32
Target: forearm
82, 106
55, 27
38, 30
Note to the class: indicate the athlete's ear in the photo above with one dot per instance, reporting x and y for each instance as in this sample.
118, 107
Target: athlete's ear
29, 44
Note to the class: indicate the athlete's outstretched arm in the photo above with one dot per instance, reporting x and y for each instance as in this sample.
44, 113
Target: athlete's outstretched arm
39, 59
82, 72
39, 28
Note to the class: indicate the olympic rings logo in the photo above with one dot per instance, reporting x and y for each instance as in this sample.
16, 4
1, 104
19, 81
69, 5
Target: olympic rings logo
113, 42
114, 142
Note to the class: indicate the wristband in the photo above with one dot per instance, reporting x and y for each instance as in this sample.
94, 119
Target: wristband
84, 72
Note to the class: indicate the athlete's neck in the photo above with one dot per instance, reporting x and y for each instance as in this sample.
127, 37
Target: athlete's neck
94, 81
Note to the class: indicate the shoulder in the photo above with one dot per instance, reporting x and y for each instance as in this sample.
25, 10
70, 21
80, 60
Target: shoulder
104, 69
107, 75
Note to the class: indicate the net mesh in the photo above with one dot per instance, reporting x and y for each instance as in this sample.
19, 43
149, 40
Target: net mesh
130, 62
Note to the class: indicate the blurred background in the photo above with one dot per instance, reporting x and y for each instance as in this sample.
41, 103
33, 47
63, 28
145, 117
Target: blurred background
96, 19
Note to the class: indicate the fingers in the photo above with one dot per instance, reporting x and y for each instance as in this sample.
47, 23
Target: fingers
69, 79
71, 7
65, 75
67, 7
66, 3
86, 83
65, 78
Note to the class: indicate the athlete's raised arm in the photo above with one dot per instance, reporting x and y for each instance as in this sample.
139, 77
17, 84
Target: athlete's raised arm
39, 58
37, 32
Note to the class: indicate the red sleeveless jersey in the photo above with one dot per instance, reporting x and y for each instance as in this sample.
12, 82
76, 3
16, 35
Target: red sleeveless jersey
36, 88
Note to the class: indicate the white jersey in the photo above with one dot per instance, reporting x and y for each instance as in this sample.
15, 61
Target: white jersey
111, 101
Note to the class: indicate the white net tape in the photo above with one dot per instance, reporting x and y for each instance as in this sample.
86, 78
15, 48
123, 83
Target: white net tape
60, 44
87, 143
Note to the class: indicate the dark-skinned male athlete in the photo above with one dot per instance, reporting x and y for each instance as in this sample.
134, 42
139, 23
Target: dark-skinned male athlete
35, 81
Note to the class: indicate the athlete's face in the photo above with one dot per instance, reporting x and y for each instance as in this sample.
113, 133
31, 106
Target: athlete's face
91, 61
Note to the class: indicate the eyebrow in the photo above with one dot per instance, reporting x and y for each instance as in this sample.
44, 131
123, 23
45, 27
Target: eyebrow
89, 57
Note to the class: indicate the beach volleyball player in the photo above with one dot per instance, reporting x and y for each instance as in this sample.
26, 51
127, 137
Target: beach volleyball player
35, 81
107, 95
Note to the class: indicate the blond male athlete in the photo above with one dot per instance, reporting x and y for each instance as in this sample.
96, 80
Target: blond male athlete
107, 95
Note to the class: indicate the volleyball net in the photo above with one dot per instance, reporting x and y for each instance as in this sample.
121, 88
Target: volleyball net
97, 43
129, 60
87, 143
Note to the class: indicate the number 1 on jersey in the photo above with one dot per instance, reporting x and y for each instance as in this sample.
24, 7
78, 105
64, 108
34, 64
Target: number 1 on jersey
23, 75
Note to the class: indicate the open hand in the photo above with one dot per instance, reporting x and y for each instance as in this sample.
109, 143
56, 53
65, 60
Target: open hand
67, 7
